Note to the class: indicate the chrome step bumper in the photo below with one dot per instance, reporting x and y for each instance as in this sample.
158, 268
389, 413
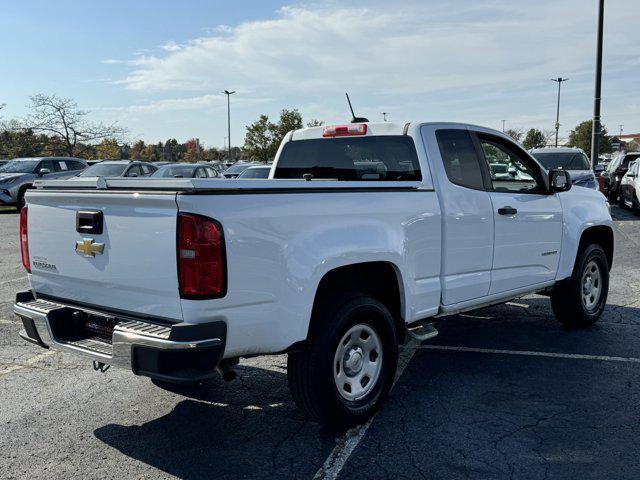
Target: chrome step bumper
132, 341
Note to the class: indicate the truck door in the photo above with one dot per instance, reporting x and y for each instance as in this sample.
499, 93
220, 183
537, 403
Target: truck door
467, 220
528, 220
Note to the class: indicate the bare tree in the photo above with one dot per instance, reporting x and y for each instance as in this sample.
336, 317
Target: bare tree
515, 133
61, 119
549, 134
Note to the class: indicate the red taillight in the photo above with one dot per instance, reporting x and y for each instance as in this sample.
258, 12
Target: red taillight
24, 239
201, 257
345, 130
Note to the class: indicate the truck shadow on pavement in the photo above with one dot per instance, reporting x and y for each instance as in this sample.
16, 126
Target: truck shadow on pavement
248, 428
451, 415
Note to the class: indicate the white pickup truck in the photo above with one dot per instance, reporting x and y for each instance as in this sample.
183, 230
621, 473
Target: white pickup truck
362, 234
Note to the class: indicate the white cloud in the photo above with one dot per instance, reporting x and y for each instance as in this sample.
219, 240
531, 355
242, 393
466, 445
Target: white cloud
416, 48
171, 46
463, 60
112, 61
197, 103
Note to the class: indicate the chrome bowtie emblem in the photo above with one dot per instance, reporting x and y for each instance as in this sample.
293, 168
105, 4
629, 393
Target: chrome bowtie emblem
88, 248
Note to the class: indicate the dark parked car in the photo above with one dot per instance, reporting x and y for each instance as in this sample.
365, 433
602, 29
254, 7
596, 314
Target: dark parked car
185, 170
17, 175
118, 168
567, 158
614, 173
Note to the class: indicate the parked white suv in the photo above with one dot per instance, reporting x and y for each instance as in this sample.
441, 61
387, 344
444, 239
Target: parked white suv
362, 235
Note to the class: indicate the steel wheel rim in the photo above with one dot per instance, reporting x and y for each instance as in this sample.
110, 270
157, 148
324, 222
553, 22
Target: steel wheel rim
357, 362
591, 286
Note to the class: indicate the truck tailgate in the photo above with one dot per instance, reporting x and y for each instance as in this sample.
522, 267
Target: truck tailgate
136, 271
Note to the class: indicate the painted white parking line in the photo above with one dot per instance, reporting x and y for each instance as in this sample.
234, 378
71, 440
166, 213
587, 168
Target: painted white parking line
13, 280
28, 363
349, 441
572, 356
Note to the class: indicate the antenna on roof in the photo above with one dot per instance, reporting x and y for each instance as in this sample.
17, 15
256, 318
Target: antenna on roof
355, 119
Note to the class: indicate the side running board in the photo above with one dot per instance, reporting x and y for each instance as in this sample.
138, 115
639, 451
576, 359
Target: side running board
422, 331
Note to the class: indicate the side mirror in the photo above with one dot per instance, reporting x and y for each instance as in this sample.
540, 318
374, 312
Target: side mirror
559, 180
43, 171
133, 175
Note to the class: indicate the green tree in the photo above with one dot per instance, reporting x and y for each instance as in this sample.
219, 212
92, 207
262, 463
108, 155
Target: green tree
173, 151
263, 137
534, 139
22, 143
108, 148
289, 120
138, 150
258, 141
580, 137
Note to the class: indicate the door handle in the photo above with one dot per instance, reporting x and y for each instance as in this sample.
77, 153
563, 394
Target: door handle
507, 211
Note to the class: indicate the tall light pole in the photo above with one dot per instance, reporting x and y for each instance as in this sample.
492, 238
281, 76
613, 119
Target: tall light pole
384, 116
559, 80
228, 94
503, 122
595, 135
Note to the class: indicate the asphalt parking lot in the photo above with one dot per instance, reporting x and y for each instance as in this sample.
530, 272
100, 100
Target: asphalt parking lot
503, 392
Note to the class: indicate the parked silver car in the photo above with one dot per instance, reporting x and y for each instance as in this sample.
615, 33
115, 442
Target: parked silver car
17, 175
118, 168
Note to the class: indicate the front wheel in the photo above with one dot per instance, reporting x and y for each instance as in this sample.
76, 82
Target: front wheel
580, 301
346, 371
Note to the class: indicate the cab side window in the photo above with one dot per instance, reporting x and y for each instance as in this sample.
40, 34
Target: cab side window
509, 169
460, 159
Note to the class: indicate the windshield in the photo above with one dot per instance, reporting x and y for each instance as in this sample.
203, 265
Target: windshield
259, 172
19, 166
237, 168
173, 171
104, 170
563, 160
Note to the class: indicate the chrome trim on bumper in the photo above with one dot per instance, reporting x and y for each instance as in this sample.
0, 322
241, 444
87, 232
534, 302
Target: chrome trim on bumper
126, 334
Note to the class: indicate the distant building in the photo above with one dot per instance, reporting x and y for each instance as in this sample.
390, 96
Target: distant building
629, 142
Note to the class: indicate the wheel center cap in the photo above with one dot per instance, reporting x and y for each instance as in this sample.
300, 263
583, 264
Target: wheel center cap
588, 284
353, 361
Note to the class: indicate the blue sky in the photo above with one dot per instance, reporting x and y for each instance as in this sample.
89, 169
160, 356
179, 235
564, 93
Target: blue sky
158, 67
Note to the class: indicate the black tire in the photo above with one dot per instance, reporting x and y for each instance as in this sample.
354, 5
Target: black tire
310, 371
567, 300
635, 206
21, 201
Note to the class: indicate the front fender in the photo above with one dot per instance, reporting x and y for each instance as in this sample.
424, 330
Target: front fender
582, 208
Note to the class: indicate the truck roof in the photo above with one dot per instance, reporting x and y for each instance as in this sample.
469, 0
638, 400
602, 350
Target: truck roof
374, 128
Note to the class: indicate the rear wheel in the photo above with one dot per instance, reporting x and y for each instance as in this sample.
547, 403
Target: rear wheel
346, 371
580, 301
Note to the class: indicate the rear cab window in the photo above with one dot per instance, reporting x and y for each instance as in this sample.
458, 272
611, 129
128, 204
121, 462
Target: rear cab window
460, 158
369, 158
